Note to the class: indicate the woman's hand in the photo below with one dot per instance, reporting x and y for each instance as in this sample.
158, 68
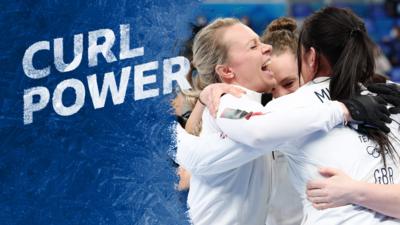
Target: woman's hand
212, 93
388, 91
368, 111
334, 191
184, 179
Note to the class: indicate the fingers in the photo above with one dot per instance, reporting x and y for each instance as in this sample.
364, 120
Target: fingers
320, 202
384, 114
315, 184
214, 99
380, 88
217, 97
380, 99
329, 172
381, 126
235, 91
391, 99
386, 118
321, 206
213, 93
394, 110
313, 193
184, 179
317, 200
383, 109
215, 105
226, 89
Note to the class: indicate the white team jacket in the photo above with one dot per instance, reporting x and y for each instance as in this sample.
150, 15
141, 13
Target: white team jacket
228, 188
306, 151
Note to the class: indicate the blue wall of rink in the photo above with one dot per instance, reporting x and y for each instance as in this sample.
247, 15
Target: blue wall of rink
259, 14
99, 166
378, 23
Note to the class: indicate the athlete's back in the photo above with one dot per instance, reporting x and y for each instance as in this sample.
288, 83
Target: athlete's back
347, 150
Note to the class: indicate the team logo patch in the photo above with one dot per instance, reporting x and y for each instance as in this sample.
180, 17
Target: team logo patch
236, 114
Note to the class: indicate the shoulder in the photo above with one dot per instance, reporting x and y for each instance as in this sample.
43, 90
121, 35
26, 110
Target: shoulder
233, 103
241, 102
307, 95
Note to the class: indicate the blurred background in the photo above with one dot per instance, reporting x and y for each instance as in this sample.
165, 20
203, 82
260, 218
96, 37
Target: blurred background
382, 19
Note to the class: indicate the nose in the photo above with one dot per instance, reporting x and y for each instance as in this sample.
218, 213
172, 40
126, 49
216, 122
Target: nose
266, 49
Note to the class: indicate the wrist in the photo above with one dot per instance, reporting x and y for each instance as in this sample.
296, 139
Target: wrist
357, 195
346, 113
200, 102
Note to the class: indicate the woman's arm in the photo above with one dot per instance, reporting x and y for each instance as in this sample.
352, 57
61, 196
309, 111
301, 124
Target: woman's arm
193, 124
211, 153
184, 179
212, 94
215, 153
261, 127
339, 190
379, 197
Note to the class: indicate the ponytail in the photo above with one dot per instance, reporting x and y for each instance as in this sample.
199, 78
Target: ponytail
340, 36
355, 65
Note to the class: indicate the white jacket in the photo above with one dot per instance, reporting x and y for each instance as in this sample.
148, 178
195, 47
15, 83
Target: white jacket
341, 148
233, 187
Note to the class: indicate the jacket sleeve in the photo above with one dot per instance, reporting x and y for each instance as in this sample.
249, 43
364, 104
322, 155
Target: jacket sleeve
245, 139
211, 153
268, 128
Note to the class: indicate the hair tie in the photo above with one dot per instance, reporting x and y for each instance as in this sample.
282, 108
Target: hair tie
355, 31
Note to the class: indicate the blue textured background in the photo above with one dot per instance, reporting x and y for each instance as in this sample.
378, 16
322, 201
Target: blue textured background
105, 166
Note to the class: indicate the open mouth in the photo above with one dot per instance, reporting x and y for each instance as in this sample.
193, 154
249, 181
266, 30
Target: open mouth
265, 66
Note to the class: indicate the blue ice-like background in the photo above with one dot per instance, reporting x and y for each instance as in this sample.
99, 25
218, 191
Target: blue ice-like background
105, 166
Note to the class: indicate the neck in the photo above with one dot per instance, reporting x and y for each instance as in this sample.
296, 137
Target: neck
324, 69
323, 75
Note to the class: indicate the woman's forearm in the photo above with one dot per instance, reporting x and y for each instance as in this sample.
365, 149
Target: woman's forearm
339, 189
273, 128
193, 124
378, 197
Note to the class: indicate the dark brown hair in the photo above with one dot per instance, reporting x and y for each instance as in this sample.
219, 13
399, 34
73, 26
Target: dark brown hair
340, 36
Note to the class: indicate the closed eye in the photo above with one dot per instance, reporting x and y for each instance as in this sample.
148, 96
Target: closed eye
289, 84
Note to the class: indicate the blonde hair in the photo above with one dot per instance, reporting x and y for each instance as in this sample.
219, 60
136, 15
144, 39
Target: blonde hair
281, 34
208, 52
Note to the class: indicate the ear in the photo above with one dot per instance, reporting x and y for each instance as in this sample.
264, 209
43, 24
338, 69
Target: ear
312, 59
224, 72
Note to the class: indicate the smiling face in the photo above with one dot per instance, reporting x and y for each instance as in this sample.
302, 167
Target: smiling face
284, 67
247, 59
